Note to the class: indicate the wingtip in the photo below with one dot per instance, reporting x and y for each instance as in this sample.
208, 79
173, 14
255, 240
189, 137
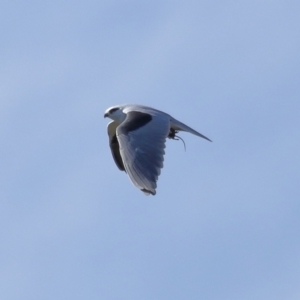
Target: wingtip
204, 137
147, 192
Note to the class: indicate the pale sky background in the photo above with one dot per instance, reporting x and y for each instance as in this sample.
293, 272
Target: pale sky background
225, 223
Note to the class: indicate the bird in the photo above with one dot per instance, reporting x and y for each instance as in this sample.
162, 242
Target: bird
137, 136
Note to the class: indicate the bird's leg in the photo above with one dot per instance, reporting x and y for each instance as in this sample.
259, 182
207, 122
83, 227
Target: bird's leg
172, 135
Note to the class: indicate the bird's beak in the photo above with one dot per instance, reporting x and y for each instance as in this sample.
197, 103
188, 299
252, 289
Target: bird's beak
105, 115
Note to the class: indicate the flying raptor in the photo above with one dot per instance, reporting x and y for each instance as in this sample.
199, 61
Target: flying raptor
137, 137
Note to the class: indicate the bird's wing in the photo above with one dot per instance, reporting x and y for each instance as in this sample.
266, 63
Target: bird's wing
177, 125
114, 144
142, 138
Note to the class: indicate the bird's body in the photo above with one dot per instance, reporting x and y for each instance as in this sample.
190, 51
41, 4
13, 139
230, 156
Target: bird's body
137, 137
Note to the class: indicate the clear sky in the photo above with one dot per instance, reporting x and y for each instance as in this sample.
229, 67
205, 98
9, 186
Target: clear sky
225, 223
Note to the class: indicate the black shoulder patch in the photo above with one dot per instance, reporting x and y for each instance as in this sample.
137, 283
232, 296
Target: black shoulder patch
135, 120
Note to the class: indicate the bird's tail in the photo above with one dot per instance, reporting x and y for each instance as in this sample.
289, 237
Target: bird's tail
175, 124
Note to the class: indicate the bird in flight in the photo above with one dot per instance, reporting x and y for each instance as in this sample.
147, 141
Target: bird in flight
137, 137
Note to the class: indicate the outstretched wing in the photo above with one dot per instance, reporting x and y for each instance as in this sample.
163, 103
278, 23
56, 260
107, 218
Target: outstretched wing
114, 144
142, 138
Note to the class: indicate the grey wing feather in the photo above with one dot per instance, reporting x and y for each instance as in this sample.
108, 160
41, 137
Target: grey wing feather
142, 148
177, 125
114, 145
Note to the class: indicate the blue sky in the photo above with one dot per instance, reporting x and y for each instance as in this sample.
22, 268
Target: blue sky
225, 221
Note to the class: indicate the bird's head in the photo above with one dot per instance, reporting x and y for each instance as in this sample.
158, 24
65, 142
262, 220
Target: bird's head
115, 113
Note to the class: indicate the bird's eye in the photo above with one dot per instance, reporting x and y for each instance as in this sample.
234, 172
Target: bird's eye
113, 110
